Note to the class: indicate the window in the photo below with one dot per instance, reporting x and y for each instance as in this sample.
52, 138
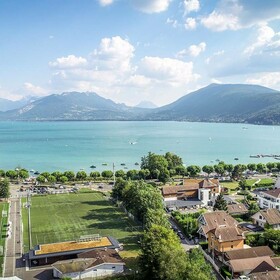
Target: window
260, 217
113, 267
231, 246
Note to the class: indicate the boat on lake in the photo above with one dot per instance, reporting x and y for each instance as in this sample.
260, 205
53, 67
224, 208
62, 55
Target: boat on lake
36, 173
92, 166
136, 163
104, 163
236, 158
123, 164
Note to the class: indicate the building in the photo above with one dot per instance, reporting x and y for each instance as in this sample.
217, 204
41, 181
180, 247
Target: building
247, 253
237, 209
196, 192
269, 217
266, 275
50, 253
251, 265
221, 232
90, 264
269, 199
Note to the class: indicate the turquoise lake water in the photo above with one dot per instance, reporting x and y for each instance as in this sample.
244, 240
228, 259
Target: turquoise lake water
49, 146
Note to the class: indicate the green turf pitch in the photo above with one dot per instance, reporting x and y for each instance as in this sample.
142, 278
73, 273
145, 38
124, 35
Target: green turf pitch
64, 217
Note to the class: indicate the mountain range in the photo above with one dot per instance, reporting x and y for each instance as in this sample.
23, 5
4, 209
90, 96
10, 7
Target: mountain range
239, 103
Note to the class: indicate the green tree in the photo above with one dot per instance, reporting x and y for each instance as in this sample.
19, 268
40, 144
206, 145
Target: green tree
52, 179
252, 166
208, 169
41, 179
162, 257
4, 188
181, 170
253, 208
271, 166
80, 175
2, 173
238, 170
132, 174
220, 203
57, 175
173, 160
120, 174
242, 184
154, 162
94, 175
12, 174
156, 217
70, 175
144, 174
46, 175
197, 267
261, 168
107, 174
164, 176
229, 168
63, 179
193, 170
219, 169
117, 191
23, 174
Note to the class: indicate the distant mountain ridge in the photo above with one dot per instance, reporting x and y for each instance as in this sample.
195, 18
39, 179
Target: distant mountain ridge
72, 106
239, 103
6, 104
146, 105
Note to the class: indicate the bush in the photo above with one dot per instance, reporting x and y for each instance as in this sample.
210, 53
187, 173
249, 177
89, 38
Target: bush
225, 272
203, 244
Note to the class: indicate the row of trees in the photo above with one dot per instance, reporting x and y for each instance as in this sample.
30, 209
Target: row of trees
162, 256
4, 188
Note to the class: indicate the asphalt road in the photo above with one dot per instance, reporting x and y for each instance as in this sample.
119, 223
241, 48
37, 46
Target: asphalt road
13, 243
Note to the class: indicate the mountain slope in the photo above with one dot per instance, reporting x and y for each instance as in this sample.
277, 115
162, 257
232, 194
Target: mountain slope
73, 106
6, 105
146, 105
224, 103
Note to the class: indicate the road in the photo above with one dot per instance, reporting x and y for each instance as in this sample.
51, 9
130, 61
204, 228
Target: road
13, 243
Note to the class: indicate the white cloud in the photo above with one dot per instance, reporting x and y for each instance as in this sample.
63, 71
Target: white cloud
105, 2
191, 6
139, 81
265, 35
113, 53
34, 90
172, 22
171, 71
151, 6
269, 79
215, 54
70, 61
237, 14
190, 23
193, 50
219, 22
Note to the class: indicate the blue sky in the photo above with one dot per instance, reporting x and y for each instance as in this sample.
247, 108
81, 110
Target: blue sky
134, 50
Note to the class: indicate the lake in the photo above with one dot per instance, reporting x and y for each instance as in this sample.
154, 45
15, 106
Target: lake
49, 146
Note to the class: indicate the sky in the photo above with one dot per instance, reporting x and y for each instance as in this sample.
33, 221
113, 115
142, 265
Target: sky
136, 50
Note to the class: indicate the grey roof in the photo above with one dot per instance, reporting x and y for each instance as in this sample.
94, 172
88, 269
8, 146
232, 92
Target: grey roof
182, 203
272, 216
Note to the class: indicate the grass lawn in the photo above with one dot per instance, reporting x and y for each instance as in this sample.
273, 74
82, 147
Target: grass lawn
250, 182
3, 223
230, 185
62, 217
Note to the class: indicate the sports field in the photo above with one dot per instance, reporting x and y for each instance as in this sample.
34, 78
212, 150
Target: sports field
65, 217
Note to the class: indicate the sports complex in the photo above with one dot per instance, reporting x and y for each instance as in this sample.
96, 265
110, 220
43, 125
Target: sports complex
66, 217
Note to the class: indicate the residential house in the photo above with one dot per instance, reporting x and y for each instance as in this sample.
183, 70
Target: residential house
269, 217
247, 253
221, 232
251, 265
269, 199
90, 264
266, 275
237, 209
193, 192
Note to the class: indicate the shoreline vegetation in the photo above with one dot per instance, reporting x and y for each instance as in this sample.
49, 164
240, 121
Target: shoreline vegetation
154, 167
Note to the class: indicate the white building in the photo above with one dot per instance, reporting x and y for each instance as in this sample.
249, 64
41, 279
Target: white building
270, 217
91, 264
269, 199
